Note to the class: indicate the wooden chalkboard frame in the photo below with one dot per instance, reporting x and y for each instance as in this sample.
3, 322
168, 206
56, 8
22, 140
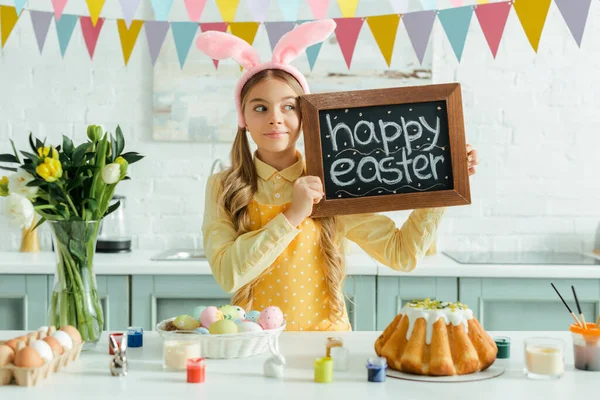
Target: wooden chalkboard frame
311, 104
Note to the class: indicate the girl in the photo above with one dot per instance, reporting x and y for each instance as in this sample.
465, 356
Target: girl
259, 238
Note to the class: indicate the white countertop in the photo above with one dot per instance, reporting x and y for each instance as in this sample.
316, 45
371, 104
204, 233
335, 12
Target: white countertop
89, 376
138, 262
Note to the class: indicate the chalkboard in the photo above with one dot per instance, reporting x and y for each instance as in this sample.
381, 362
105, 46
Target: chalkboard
387, 149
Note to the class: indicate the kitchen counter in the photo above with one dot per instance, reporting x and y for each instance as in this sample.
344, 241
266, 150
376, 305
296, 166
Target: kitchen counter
89, 376
139, 262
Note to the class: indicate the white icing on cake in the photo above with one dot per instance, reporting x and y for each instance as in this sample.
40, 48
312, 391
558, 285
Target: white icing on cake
431, 311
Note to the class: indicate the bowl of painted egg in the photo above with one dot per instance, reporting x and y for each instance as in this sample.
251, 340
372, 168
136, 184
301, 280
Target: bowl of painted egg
228, 331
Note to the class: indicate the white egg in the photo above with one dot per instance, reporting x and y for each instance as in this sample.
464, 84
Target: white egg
249, 326
43, 349
64, 339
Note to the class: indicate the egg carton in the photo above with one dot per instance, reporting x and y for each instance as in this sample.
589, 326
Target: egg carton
32, 376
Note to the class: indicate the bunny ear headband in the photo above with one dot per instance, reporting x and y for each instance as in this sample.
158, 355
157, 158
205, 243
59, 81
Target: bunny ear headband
219, 46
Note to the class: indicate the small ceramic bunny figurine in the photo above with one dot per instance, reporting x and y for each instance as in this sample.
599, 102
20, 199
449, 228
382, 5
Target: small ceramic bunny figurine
273, 367
118, 365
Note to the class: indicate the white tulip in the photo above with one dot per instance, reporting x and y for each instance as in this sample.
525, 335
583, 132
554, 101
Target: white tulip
19, 210
17, 183
111, 173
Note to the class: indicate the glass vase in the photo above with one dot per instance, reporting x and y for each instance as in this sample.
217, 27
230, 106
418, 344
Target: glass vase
75, 299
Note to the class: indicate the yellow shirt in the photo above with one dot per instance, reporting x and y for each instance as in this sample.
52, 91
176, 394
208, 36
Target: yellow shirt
290, 257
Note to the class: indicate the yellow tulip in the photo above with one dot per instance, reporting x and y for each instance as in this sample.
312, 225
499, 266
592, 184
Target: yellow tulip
4, 186
50, 170
43, 152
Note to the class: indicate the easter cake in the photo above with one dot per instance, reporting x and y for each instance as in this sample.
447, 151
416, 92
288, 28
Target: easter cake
436, 338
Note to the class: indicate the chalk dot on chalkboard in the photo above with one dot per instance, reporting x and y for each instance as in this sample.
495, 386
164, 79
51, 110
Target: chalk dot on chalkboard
335, 117
328, 155
446, 177
358, 188
360, 115
346, 110
394, 191
377, 152
339, 195
370, 169
429, 139
396, 146
389, 112
327, 136
444, 148
380, 191
439, 108
345, 143
410, 109
365, 131
354, 153
419, 184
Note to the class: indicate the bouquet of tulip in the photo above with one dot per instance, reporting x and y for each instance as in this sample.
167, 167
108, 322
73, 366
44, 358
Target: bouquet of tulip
71, 187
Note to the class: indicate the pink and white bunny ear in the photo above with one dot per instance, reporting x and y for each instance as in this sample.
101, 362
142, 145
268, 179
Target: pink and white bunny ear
219, 45
293, 43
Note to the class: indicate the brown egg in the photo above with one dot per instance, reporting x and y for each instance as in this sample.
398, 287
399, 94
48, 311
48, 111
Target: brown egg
12, 343
57, 349
73, 333
28, 358
6, 355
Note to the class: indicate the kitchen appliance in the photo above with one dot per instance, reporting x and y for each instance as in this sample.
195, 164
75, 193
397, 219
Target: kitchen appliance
524, 257
114, 236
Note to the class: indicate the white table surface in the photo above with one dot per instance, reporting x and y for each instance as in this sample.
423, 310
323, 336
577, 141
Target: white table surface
89, 377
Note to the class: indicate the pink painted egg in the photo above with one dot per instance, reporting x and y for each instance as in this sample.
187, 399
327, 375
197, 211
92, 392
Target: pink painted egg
210, 315
271, 318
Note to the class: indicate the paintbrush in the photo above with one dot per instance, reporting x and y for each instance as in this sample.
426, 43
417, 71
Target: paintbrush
566, 305
579, 308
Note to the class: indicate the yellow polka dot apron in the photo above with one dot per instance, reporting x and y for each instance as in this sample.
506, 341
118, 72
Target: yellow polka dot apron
295, 282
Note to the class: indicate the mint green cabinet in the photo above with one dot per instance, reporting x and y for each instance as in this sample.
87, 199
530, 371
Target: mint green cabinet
156, 298
393, 292
23, 302
522, 304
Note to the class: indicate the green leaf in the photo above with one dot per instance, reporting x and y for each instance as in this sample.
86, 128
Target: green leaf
126, 179
112, 208
114, 154
120, 142
39, 144
132, 157
8, 169
67, 146
31, 142
8, 158
41, 221
79, 152
15, 152
31, 156
36, 182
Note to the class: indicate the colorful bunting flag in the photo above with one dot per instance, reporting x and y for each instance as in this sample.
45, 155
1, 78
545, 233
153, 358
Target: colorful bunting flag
289, 8
429, 4
532, 14
8, 20
128, 36
348, 7
95, 7
195, 9
129, 8
161, 9
319, 8
41, 22
575, 14
312, 52
483, 1
259, 9
59, 6
19, 4
492, 18
347, 34
456, 3
455, 22
90, 32
399, 6
214, 26
183, 35
228, 8
64, 29
384, 29
418, 26
156, 31
275, 30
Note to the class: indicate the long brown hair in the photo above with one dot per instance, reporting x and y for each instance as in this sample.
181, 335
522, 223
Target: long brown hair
238, 187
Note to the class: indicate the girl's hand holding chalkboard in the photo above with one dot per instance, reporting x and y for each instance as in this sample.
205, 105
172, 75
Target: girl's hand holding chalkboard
472, 159
308, 190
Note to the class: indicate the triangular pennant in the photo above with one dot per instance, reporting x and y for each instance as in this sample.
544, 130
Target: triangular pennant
399, 6
348, 7
8, 20
156, 31
312, 52
289, 8
245, 30
41, 22
19, 4
128, 36
64, 29
259, 9
455, 22
214, 26
429, 4
95, 7
183, 35
195, 9
129, 8
483, 1
275, 30
492, 18
575, 14
532, 14
161, 9
59, 6
418, 26
228, 8
456, 3
384, 29
346, 32
319, 8
91, 33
